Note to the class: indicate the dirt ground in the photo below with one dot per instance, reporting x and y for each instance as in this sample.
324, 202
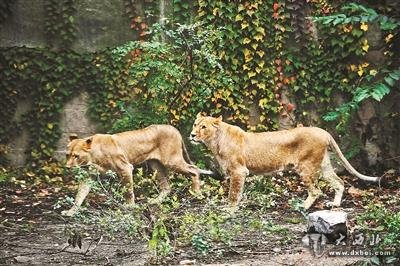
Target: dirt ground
33, 233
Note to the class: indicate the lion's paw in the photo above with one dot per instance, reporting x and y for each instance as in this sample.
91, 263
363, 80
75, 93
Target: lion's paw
129, 205
230, 210
69, 213
155, 201
332, 204
197, 194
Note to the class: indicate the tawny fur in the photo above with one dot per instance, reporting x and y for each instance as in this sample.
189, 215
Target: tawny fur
304, 148
159, 145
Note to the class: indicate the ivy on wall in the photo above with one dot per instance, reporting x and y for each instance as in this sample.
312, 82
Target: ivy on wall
5, 10
59, 23
346, 35
46, 79
236, 56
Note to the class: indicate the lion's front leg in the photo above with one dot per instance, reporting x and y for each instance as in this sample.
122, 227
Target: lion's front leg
237, 178
127, 181
83, 191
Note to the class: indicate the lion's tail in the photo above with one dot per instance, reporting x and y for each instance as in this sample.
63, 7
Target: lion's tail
210, 173
347, 165
186, 154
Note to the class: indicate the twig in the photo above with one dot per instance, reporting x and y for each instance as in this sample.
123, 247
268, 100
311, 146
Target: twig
34, 253
97, 243
392, 158
259, 253
183, 85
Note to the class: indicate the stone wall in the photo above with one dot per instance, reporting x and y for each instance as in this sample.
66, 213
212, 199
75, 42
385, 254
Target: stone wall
18, 145
104, 23
74, 121
100, 24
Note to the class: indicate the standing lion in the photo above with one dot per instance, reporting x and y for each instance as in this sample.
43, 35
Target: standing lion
240, 153
159, 145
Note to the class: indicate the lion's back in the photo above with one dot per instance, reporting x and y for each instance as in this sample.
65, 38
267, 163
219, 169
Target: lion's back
155, 141
267, 151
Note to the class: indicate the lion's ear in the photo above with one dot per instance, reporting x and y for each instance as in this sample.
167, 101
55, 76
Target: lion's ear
88, 143
217, 121
199, 115
72, 137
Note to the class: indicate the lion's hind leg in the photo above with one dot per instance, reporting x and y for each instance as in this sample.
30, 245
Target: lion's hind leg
335, 182
162, 179
309, 175
181, 166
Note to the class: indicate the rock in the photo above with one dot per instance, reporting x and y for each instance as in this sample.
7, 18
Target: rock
23, 259
187, 262
276, 250
331, 224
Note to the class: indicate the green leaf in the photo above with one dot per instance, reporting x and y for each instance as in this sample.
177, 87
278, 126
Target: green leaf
395, 75
337, 21
380, 91
331, 116
327, 21
361, 95
389, 81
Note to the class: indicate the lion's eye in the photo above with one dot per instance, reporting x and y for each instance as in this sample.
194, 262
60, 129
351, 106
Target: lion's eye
76, 156
203, 127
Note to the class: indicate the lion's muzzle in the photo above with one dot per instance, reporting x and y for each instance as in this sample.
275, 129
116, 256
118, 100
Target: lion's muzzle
193, 139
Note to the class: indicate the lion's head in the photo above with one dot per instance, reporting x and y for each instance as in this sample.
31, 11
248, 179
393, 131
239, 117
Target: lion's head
204, 128
78, 151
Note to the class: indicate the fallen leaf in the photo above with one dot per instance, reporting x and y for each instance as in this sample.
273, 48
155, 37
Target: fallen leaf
355, 192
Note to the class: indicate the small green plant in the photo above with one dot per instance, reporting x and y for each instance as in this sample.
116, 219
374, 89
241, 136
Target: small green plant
112, 218
4, 175
207, 230
65, 202
159, 242
297, 204
270, 227
200, 244
117, 221
379, 219
262, 191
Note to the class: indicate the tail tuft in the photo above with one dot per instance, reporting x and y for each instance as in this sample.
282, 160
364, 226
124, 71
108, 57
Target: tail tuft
213, 174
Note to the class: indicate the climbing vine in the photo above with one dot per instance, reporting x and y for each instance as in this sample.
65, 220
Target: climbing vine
59, 22
184, 11
5, 10
253, 36
369, 80
233, 58
45, 80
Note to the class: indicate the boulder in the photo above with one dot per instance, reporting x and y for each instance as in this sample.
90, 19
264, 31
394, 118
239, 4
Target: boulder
331, 224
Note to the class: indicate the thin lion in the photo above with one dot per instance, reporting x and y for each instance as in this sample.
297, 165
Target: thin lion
159, 145
240, 153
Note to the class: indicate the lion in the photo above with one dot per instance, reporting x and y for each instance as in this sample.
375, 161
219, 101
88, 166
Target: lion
161, 146
305, 149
